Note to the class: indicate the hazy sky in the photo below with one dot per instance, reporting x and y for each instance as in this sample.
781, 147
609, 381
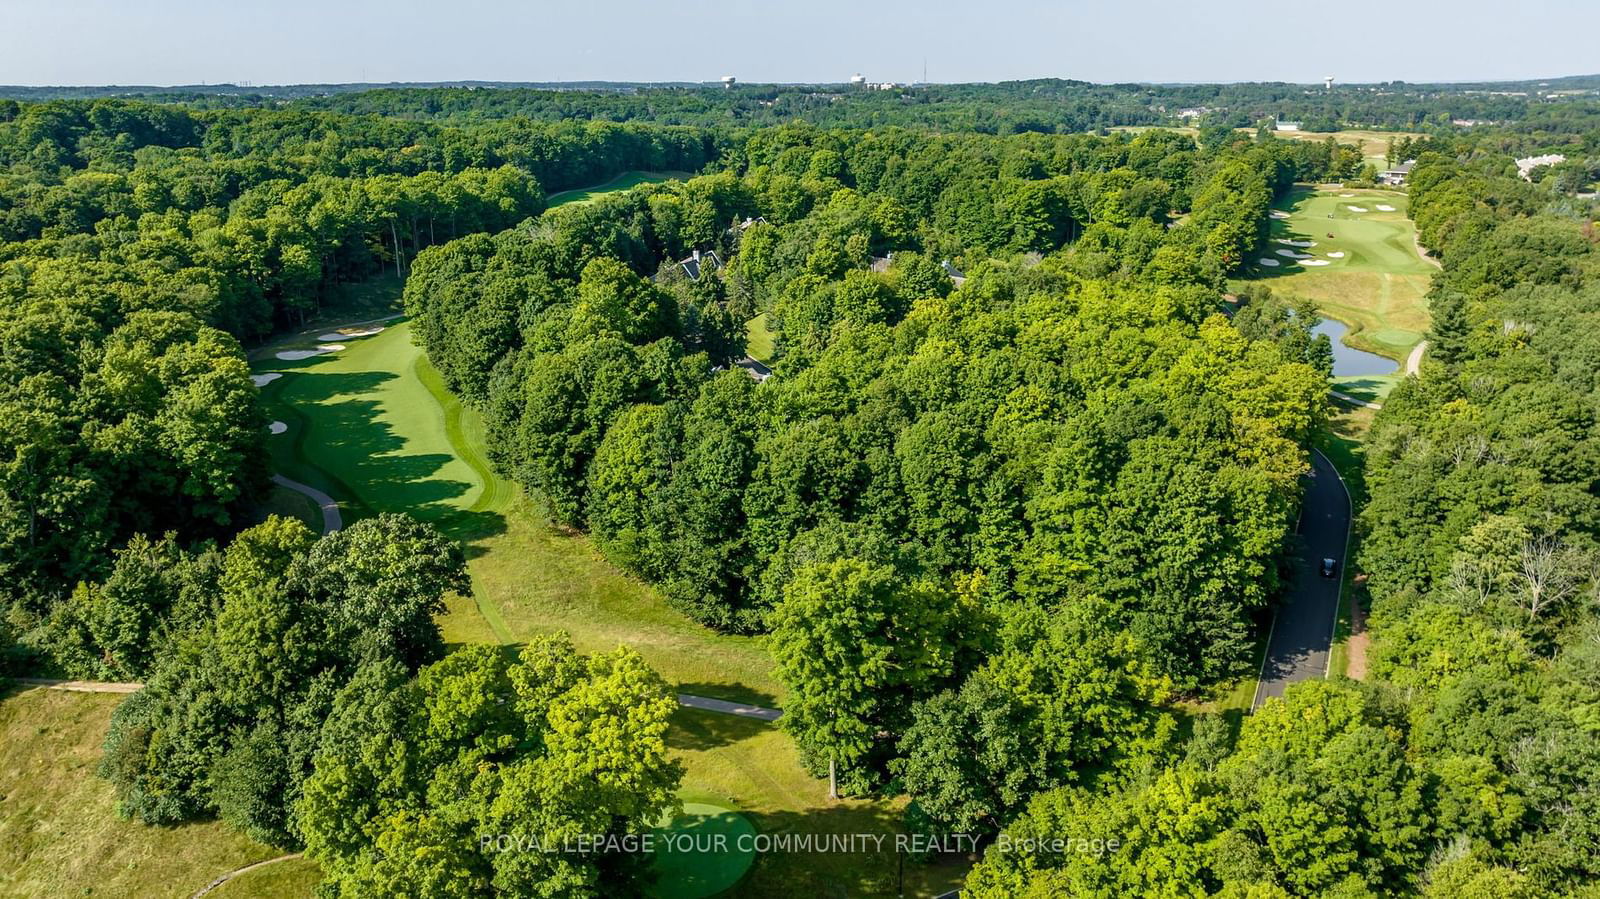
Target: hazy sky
288, 41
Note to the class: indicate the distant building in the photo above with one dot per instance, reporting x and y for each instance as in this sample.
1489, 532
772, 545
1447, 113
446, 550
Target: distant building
955, 274
858, 79
699, 263
1397, 175
1282, 125
1526, 166
881, 264
729, 81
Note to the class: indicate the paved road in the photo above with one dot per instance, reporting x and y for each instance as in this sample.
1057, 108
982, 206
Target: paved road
1302, 632
331, 520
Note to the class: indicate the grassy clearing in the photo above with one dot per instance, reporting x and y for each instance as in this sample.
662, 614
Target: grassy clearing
1378, 286
621, 182
59, 830
761, 342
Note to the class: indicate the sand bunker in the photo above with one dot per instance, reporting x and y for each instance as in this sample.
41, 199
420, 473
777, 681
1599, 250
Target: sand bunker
1316, 262
277, 427
322, 349
1347, 195
348, 333
1293, 255
1383, 208
1338, 255
1356, 208
1277, 214
264, 380
1271, 263
1296, 243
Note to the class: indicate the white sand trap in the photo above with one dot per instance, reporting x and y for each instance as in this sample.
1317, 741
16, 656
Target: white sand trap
1383, 208
1316, 262
1347, 195
1356, 208
349, 333
1293, 255
1270, 263
264, 380
1296, 243
321, 350
1278, 214
277, 427
1338, 255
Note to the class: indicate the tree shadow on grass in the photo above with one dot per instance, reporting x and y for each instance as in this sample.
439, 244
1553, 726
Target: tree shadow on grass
698, 729
735, 692
348, 447
870, 864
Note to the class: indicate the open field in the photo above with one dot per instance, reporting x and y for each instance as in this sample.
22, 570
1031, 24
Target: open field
621, 182
1378, 286
59, 830
1374, 145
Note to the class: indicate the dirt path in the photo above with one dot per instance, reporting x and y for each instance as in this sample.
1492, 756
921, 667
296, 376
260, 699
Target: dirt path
235, 873
1423, 252
1355, 648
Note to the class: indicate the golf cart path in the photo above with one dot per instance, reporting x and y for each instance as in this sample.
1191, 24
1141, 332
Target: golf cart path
1414, 361
331, 519
688, 701
237, 871
1302, 630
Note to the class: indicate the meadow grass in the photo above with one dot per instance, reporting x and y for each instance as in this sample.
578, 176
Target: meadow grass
60, 834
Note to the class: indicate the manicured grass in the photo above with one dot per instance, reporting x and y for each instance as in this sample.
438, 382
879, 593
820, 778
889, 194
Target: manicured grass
621, 182
1378, 287
59, 831
760, 340
702, 852
1372, 388
753, 766
374, 427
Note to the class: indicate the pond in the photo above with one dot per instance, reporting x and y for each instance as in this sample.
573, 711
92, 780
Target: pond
1349, 362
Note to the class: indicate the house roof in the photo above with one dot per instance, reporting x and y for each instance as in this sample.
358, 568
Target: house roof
694, 264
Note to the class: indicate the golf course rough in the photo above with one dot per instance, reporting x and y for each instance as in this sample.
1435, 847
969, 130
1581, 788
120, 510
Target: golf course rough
702, 852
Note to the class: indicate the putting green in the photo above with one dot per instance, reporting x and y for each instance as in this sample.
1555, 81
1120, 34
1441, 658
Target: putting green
702, 852
1372, 277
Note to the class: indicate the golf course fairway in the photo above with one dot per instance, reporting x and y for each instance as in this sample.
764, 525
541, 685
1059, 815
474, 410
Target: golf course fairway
1369, 274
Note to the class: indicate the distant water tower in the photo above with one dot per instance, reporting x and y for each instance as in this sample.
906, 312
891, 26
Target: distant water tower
858, 79
728, 81
1328, 80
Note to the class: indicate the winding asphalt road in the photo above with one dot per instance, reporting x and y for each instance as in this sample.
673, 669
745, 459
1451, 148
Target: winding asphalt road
1302, 631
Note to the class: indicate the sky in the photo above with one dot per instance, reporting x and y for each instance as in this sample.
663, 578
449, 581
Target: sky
163, 42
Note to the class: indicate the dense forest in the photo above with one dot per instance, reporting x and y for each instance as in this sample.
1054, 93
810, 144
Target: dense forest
1047, 104
1020, 485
